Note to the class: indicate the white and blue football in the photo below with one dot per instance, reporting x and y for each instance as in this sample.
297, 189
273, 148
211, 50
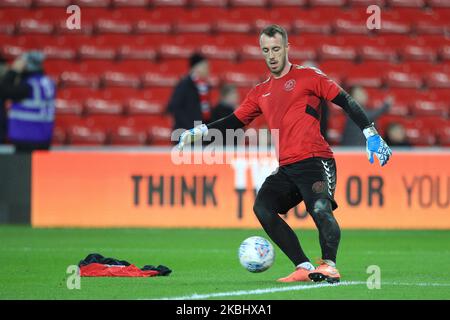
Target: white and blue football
256, 254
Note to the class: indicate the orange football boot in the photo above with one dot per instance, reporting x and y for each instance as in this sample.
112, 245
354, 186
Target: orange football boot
299, 275
325, 272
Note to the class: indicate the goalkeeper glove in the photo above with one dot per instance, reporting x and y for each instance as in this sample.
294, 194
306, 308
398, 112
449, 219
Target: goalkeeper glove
192, 135
376, 145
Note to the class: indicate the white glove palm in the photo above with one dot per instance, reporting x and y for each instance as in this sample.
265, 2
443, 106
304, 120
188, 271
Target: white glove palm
191, 135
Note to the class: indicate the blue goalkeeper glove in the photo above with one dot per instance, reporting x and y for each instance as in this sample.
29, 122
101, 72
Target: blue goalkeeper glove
192, 135
376, 145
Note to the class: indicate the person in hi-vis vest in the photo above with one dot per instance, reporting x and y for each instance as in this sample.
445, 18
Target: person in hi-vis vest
32, 112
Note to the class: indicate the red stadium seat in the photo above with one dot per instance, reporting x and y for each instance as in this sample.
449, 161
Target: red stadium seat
134, 52
64, 53
86, 136
251, 52
121, 79
299, 55
79, 79
287, 3
183, 27
407, 3
232, 26
68, 107
377, 52
7, 27
96, 52
420, 138
437, 80
241, 79
215, 52
68, 112
445, 52
143, 107
34, 26
418, 53
59, 136
103, 26
366, 3
130, 3
402, 80
12, 51
175, 51
209, 3
103, 107
364, 79
154, 79
443, 134
439, 3
148, 26
128, 136
15, 3
429, 108
170, 3
248, 3
308, 25
221, 66
421, 67
346, 26
93, 3
327, 3
331, 52
393, 27
160, 131
262, 23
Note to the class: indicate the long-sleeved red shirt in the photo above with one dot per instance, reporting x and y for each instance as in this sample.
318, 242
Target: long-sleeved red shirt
291, 105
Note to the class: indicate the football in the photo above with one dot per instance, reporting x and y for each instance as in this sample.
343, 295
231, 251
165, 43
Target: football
256, 254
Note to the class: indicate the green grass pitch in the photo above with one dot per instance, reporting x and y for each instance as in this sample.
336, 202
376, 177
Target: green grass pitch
413, 264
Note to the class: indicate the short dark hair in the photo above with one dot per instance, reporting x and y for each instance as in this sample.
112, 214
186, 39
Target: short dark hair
274, 29
196, 58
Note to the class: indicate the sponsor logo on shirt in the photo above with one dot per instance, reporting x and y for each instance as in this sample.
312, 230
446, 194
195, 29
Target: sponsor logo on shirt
289, 85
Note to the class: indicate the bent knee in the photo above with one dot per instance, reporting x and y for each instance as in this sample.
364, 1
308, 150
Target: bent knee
322, 209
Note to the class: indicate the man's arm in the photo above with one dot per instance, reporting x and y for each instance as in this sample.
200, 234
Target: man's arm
10, 90
375, 144
242, 116
353, 109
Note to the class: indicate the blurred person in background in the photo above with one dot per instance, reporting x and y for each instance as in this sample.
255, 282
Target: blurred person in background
32, 112
190, 100
228, 101
396, 135
352, 135
3, 116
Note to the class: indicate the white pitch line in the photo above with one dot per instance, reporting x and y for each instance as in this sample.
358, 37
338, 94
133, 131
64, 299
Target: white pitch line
196, 296
261, 291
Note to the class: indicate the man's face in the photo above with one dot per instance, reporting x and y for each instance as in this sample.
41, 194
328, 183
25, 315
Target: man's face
202, 69
275, 52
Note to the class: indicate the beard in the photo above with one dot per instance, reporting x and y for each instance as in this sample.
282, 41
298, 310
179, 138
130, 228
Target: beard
277, 71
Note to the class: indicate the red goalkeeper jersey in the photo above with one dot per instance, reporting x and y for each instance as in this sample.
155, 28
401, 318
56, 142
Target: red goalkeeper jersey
291, 105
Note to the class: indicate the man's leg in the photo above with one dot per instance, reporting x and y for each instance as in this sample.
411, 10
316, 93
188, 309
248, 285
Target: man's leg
329, 231
267, 206
317, 186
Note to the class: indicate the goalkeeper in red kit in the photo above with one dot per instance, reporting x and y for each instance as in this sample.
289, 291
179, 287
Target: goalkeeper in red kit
289, 100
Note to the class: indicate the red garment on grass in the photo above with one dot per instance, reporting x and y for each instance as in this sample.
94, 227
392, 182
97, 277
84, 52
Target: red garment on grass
104, 270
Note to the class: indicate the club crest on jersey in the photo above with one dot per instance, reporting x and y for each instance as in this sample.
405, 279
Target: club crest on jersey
289, 85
